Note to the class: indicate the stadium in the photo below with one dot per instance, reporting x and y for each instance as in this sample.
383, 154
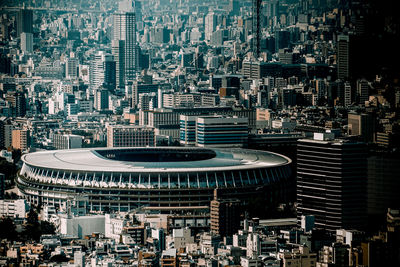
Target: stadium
161, 178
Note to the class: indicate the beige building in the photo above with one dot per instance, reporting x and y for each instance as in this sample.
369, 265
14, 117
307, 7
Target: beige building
130, 136
21, 139
362, 125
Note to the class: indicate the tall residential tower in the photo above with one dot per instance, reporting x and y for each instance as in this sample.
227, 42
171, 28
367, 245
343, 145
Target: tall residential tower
125, 29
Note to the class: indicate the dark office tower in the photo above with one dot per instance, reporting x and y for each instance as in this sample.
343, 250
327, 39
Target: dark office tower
332, 182
109, 75
24, 21
144, 59
224, 215
362, 91
233, 7
18, 103
256, 27
118, 51
199, 60
343, 48
282, 40
138, 10
5, 63
125, 29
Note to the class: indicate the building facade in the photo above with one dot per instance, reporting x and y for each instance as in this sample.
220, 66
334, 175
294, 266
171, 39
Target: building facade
130, 136
220, 131
125, 29
331, 182
21, 139
67, 141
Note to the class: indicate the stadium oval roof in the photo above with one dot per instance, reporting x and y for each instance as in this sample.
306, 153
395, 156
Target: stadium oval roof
154, 159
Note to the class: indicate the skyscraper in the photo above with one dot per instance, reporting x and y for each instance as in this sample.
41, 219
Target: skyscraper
256, 27
125, 29
118, 51
362, 91
210, 25
24, 21
27, 42
102, 71
347, 94
331, 182
101, 101
71, 68
343, 57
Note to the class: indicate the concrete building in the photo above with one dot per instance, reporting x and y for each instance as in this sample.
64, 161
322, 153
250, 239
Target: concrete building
79, 259
21, 139
188, 130
220, 131
181, 237
83, 225
362, 125
224, 215
130, 136
6, 128
113, 226
210, 25
299, 257
71, 68
249, 262
67, 141
27, 42
102, 72
168, 258
335, 255
101, 99
13, 208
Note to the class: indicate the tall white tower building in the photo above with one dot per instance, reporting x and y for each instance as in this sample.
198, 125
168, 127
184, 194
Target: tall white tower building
27, 42
210, 25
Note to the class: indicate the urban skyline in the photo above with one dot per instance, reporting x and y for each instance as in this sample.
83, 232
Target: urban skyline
199, 133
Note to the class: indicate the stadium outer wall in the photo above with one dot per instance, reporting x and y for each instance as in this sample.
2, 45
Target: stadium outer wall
169, 179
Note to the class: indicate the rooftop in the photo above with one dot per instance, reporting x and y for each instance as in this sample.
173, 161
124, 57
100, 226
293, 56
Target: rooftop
154, 159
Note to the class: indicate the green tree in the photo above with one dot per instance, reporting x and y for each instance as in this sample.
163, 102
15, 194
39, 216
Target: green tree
47, 228
32, 227
32, 217
7, 229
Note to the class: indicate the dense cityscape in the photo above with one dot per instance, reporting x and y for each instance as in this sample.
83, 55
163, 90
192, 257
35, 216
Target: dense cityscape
199, 133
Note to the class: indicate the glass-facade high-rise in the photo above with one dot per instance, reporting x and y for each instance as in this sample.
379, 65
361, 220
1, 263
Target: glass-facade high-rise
125, 29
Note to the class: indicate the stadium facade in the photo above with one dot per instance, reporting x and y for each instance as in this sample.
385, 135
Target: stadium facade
165, 179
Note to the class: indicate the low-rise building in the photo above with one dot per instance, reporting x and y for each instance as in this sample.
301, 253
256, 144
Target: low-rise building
13, 208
